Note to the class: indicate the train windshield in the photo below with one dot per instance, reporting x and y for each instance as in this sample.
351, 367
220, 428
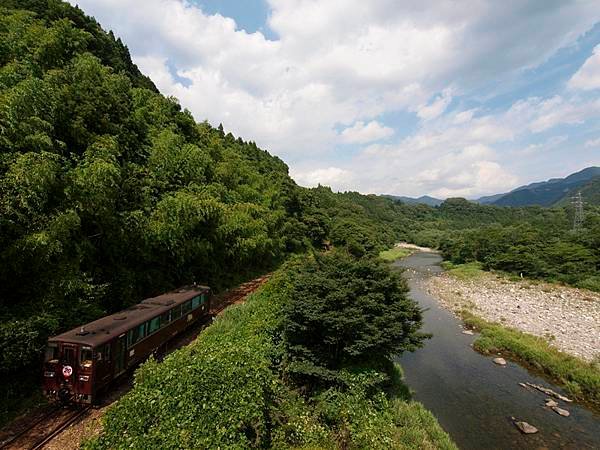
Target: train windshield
85, 357
68, 355
51, 353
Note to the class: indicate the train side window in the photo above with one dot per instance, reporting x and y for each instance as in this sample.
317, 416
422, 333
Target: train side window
51, 353
153, 325
195, 302
85, 357
203, 300
176, 312
142, 330
136, 334
107, 351
165, 318
186, 307
131, 337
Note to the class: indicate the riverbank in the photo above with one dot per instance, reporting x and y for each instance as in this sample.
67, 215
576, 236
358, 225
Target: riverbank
567, 318
402, 250
554, 329
473, 398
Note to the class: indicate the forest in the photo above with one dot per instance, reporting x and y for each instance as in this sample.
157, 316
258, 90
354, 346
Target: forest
111, 192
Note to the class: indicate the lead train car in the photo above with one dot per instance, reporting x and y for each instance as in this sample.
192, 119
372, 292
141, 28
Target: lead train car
80, 363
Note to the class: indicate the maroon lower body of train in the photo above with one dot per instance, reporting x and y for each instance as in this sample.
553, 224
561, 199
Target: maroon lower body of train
82, 362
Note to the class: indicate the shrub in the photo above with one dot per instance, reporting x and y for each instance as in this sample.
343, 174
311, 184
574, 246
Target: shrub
342, 311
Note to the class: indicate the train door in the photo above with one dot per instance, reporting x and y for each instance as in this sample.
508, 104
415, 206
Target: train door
104, 363
69, 361
121, 355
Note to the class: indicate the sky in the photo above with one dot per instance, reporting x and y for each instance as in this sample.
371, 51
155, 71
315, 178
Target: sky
409, 97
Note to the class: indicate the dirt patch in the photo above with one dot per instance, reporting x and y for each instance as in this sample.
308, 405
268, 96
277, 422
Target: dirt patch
568, 318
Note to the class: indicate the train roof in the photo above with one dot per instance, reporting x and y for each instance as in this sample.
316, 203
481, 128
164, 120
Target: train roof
105, 329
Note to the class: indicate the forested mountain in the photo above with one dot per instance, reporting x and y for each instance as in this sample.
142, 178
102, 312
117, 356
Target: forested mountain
590, 193
546, 193
110, 192
424, 200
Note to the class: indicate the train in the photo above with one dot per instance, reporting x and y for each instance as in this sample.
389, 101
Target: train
81, 363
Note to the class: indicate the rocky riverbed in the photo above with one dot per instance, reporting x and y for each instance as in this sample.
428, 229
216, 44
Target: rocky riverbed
568, 318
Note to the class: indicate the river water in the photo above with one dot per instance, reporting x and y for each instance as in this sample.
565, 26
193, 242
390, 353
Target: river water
473, 398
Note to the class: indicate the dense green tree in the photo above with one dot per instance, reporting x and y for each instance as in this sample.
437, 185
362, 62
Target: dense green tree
343, 311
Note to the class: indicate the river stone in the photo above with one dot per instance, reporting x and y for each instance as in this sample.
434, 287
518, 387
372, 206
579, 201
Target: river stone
469, 332
551, 403
526, 428
548, 391
560, 411
500, 361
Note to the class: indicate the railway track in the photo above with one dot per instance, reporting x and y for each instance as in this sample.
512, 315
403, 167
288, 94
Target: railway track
235, 295
45, 428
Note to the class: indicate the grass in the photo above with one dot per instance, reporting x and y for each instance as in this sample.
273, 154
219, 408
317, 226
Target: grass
228, 389
579, 378
417, 428
468, 271
394, 254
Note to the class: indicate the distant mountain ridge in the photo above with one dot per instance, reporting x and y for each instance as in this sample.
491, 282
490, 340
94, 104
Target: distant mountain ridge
555, 191
424, 199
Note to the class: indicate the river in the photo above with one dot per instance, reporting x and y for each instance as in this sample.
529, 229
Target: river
473, 398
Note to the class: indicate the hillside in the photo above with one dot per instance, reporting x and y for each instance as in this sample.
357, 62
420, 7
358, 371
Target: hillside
545, 193
110, 192
590, 193
423, 200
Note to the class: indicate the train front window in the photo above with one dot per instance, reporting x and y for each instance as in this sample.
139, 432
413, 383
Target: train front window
85, 357
69, 355
51, 355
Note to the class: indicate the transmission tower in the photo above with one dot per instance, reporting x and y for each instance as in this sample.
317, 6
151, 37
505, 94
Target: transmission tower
577, 202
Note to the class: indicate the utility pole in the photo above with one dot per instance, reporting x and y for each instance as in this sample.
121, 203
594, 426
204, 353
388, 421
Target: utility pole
577, 202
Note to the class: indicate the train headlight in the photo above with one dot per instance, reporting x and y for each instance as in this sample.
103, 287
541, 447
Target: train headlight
49, 374
84, 378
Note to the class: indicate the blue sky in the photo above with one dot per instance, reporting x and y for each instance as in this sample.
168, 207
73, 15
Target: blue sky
408, 98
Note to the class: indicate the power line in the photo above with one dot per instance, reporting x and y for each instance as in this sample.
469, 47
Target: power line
577, 202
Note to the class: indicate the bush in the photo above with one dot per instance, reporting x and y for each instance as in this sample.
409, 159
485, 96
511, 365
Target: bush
217, 392
229, 389
342, 311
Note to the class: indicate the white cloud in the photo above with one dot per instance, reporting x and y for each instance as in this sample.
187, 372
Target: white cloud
539, 114
331, 176
588, 75
361, 133
592, 143
463, 116
341, 65
437, 107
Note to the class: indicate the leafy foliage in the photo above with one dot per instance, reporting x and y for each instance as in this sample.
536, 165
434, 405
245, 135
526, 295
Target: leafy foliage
344, 311
229, 389
110, 192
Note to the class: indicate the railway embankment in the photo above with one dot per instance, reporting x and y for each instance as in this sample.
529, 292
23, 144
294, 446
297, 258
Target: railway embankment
231, 387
